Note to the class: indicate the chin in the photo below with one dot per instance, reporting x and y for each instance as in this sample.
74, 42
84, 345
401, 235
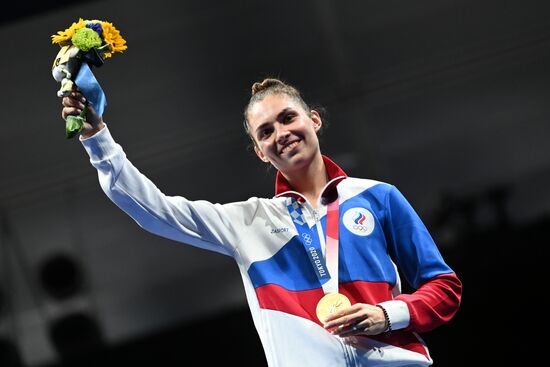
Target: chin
296, 162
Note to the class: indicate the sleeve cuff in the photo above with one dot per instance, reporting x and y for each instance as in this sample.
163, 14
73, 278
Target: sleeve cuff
398, 313
100, 145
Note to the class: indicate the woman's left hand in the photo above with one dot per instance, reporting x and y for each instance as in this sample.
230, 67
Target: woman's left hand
358, 319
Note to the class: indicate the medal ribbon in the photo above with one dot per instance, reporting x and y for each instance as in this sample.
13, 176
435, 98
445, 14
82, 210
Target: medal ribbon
312, 244
331, 249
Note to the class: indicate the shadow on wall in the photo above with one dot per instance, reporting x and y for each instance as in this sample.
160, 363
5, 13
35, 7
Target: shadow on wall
76, 333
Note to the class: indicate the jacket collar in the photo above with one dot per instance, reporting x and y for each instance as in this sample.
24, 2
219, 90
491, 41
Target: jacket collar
329, 194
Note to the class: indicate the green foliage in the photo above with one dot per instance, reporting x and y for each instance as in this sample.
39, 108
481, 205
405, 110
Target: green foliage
86, 39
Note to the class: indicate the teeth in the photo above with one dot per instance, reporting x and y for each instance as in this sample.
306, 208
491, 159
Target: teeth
289, 146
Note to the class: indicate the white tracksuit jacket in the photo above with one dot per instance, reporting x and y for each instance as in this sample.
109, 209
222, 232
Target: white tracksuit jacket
281, 286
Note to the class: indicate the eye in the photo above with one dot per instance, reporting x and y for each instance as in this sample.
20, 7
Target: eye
289, 117
264, 133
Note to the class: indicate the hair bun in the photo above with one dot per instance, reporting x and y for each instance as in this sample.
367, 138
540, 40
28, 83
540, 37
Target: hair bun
266, 84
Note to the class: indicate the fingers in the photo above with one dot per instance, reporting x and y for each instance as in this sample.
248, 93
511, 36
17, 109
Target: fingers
68, 111
73, 104
354, 328
358, 319
75, 99
345, 316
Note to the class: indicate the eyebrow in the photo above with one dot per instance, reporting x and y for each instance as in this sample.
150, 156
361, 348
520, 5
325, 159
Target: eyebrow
279, 116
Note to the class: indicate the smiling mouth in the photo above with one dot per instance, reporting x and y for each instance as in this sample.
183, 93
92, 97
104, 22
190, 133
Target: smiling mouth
290, 146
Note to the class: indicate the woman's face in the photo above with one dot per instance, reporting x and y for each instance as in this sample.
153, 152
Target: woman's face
285, 134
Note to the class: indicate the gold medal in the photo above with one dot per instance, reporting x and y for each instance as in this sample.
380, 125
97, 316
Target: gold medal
331, 303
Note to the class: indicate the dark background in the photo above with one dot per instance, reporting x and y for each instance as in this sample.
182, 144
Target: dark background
448, 100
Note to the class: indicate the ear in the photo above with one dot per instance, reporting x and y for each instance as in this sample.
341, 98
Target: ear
316, 118
260, 154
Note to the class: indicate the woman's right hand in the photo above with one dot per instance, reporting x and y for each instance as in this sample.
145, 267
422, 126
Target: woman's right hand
73, 104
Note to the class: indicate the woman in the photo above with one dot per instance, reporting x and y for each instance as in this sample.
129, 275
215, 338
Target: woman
322, 278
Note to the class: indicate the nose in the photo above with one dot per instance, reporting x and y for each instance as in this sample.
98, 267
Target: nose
281, 133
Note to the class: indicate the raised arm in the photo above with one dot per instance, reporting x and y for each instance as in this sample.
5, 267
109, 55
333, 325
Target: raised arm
199, 223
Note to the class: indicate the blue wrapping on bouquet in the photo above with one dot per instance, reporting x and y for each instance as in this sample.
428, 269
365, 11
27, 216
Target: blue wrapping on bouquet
89, 86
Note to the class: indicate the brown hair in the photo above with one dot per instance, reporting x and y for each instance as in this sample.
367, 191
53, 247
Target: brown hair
271, 86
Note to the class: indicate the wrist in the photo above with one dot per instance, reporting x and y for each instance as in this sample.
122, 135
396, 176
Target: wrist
398, 313
87, 133
388, 325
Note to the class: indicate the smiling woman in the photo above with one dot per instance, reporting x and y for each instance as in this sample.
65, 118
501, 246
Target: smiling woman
321, 260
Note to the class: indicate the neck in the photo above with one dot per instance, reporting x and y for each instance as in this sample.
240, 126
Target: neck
311, 180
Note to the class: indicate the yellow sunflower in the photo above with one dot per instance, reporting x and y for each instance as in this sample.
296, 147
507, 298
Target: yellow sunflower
64, 37
112, 36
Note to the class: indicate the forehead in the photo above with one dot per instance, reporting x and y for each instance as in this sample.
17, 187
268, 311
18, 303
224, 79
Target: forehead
268, 108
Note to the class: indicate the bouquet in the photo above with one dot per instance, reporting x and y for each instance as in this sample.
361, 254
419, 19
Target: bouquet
84, 44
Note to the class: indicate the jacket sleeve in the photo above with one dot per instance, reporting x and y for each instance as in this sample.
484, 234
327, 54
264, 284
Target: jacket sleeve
198, 223
438, 290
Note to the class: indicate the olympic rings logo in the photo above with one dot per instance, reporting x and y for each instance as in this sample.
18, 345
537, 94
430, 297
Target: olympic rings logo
307, 238
359, 221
